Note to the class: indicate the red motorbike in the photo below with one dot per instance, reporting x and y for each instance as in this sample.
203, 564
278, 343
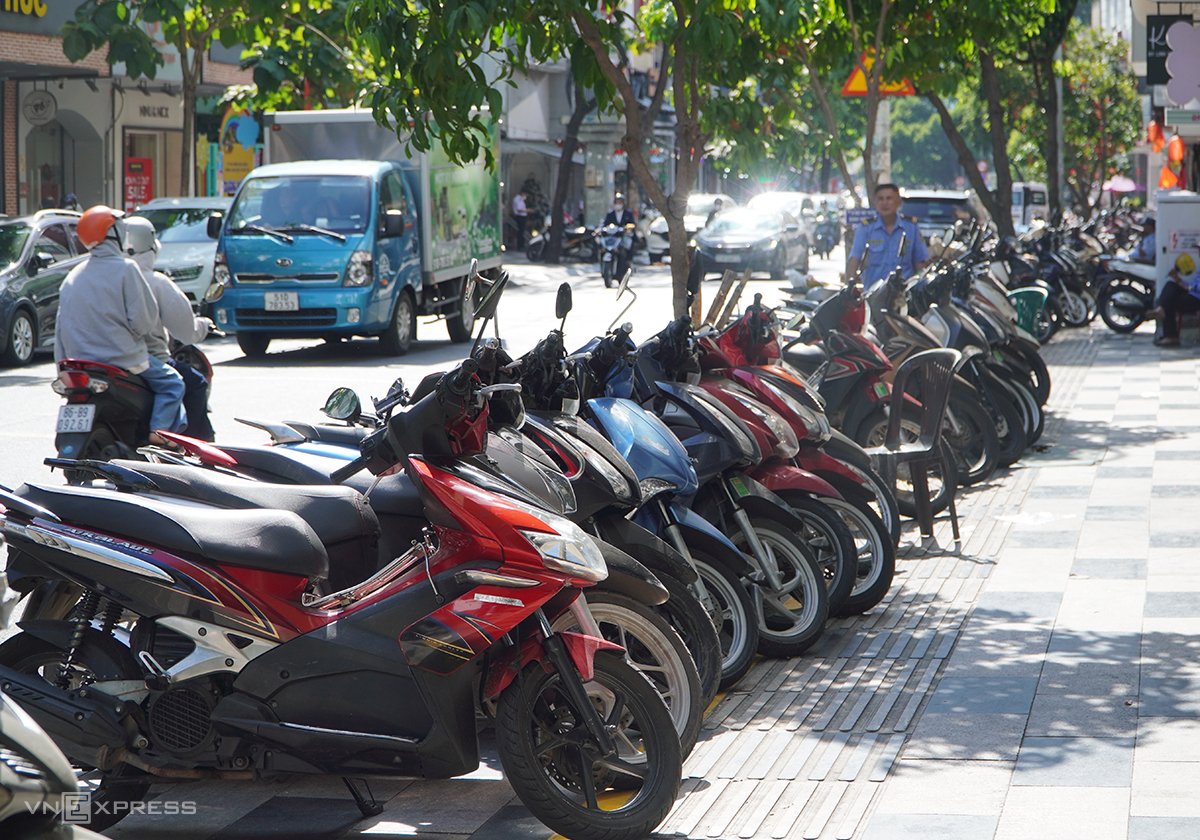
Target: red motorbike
241, 663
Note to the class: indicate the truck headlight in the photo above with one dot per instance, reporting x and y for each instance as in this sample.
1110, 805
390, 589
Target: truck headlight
359, 270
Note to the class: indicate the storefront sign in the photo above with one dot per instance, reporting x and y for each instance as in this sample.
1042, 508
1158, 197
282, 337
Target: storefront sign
39, 17
33, 8
1157, 48
154, 112
139, 181
39, 107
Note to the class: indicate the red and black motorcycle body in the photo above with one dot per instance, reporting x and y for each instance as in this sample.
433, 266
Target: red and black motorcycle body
120, 404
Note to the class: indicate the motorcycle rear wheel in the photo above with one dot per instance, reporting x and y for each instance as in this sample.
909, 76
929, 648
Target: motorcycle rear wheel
875, 556
1123, 307
557, 769
831, 543
738, 633
694, 625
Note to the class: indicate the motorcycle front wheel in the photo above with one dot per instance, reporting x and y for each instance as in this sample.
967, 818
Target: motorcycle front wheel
558, 769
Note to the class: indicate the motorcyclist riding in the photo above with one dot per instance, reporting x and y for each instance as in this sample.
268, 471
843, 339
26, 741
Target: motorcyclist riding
107, 311
620, 215
176, 323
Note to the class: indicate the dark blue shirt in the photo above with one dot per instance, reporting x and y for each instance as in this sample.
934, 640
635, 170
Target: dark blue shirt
885, 254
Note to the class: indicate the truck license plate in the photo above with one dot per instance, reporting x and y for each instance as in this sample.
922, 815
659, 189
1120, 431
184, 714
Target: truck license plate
75, 418
282, 301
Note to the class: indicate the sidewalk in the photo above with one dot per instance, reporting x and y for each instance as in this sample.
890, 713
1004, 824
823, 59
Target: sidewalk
1034, 682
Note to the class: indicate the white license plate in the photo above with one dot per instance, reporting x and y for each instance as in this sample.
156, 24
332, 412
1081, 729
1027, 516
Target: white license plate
727, 257
281, 301
607, 256
75, 418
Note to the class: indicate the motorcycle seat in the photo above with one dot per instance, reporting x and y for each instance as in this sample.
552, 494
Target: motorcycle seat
336, 514
807, 357
286, 466
271, 540
340, 435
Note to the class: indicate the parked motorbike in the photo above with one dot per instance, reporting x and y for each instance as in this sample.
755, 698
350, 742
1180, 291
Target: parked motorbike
240, 663
579, 243
1127, 291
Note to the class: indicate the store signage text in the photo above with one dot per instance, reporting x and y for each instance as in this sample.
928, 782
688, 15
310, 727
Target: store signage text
162, 112
33, 8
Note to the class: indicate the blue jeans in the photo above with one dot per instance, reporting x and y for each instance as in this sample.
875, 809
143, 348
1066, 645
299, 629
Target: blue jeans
167, 385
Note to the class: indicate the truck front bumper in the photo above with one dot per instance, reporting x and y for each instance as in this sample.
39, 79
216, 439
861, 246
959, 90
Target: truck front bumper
327, 311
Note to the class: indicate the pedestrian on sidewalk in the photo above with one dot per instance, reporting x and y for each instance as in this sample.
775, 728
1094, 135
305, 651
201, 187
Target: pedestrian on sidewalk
1180, 296
520, 213
890, 242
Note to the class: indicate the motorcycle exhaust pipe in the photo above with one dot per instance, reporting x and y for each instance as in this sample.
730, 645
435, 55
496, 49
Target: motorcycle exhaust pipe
89, 726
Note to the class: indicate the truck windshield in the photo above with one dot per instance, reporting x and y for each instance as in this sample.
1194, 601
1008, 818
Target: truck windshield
291, 202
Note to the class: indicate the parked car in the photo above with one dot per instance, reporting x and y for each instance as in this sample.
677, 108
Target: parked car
936, 210
800, 206
36, 252
187, 251
698, 207
751, 239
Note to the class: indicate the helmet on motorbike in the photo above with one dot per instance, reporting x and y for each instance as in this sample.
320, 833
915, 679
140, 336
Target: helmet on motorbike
139, 236
97, 224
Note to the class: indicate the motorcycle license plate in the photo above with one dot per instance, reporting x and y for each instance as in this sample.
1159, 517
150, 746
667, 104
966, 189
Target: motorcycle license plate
607, 257
75, 418
281, 301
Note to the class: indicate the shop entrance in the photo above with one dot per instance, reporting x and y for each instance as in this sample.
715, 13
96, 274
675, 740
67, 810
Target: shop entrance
150, 166
50, 165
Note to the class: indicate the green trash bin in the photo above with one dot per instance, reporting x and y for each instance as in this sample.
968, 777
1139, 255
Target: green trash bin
1029, 304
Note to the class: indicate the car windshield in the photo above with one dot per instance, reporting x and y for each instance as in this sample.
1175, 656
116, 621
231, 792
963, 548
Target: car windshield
777, 201
742, 224
180, 224
339, 203
935, 210
13, 237
702, 205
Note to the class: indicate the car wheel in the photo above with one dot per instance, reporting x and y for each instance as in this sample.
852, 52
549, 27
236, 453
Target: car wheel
20, 341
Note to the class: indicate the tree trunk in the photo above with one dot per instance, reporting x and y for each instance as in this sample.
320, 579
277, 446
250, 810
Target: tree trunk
1002, 198
969, 163
818, 89
192, 69
1043, 69
580, 110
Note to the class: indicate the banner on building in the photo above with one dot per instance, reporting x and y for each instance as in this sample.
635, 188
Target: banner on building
1157, 48
139, 181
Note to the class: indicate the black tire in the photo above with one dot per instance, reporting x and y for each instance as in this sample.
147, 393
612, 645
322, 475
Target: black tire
1032, 415
1007, 416
535, 250
738, 633
873, 431
545, 769
656, 256
253, 345
694, 625
1032, 367
1123, 305
657, 651
831, 543
606, 271
21, 340
876, 555
30, 655
873, 493
1048, 321
971, 436
402, 331
461, 327
792, 619
1073, 307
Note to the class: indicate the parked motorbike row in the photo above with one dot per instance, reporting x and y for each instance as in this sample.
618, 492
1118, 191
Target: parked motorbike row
611, 246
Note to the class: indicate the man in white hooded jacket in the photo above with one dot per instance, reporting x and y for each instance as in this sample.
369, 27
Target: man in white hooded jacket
175, 323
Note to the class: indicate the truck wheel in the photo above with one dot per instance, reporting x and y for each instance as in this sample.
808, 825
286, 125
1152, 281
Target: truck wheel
254, 345
461, 325
402, 332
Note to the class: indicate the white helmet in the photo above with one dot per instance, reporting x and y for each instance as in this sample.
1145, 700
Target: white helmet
140, 236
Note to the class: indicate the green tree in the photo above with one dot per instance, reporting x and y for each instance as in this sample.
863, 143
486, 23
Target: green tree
921, 154
122, 28
1102, 115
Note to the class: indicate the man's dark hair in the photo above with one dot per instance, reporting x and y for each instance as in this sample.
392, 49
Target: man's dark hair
887, 185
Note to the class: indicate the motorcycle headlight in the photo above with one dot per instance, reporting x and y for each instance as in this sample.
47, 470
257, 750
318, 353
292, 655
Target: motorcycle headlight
815, 421
358, 271
620, 485
652, 487
728, 423
570, 550
788, 445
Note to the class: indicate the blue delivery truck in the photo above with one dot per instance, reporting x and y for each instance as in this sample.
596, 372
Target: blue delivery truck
340, 233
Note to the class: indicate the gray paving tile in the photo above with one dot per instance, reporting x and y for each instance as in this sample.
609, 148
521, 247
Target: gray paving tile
1122, 568
972, 737
1164, 828
1043, 539
1175, 695
1175, 539
512, 822
1065, 491
1017, 606
930, 827
1117, 513
1172, 605
1177, 454
1064, 813
1069, 713
930, 786
1175, 491
1075, 762
1107, 471
1095, 647
307, 819
986, 695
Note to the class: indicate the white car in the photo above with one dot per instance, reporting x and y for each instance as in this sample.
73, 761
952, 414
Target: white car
698, 207
187, 252
800, 206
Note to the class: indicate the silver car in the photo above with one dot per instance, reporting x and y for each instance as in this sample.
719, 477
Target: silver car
187, 251
699, 206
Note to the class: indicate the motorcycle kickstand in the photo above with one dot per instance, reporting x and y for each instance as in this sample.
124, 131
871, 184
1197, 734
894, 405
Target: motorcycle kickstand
368, 806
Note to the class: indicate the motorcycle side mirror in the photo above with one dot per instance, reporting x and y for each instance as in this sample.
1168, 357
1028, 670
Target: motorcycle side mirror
624, 282
343, 404
491, 298
563, 302
215, 220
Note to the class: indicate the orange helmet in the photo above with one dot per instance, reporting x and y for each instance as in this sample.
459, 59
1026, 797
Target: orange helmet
95, 224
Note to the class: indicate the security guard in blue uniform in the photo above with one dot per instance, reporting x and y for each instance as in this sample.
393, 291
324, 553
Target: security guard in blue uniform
884, 236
